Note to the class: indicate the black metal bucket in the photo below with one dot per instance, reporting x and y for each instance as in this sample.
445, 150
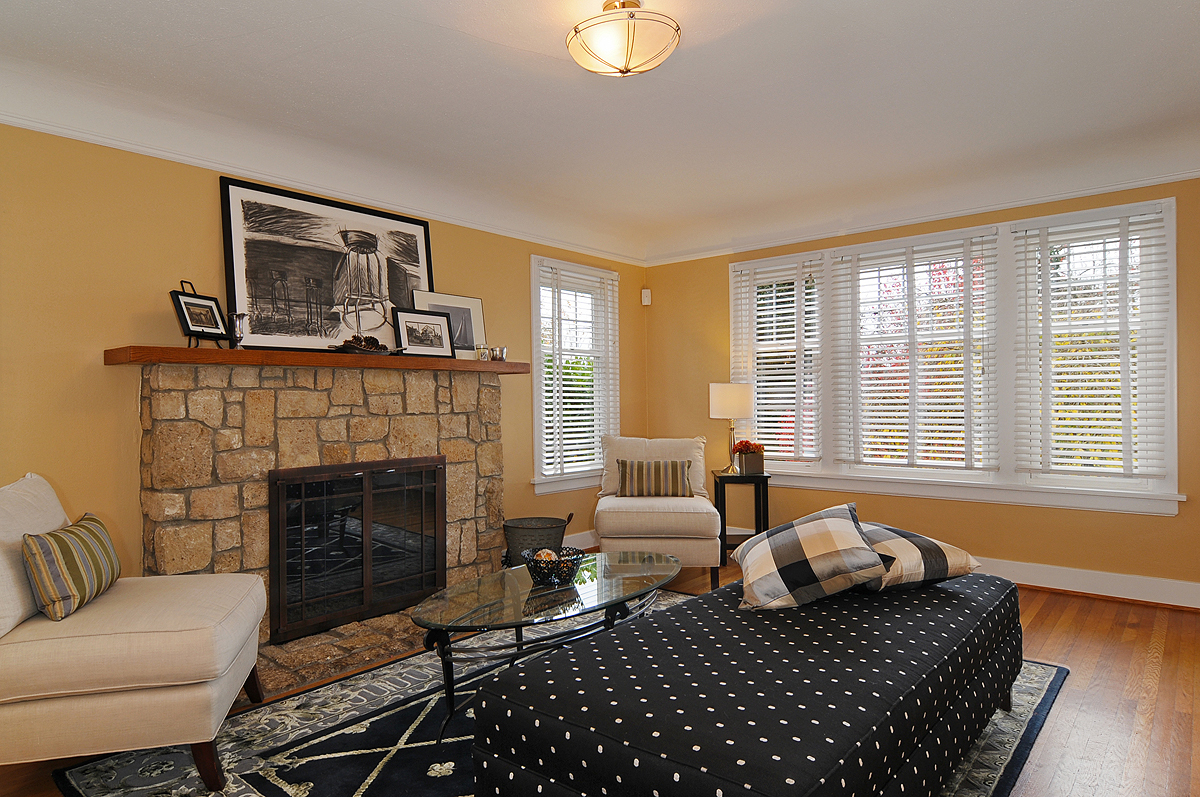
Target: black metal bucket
525, 533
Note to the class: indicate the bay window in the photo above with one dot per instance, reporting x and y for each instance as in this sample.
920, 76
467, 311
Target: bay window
1030, 364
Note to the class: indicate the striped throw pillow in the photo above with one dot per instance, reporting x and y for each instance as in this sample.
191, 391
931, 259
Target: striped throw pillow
657, 477
919, 560
71, 566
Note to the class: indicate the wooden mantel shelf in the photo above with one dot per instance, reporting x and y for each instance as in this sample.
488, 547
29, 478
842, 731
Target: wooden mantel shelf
299, 359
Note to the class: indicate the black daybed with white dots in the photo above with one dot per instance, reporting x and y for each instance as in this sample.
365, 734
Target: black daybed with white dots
858, 694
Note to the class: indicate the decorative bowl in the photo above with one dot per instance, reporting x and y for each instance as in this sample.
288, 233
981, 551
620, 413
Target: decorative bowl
553, 572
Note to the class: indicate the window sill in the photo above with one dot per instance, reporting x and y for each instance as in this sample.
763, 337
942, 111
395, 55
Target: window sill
1139, 503
563, 484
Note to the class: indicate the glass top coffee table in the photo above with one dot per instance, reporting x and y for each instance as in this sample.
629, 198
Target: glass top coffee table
622, 584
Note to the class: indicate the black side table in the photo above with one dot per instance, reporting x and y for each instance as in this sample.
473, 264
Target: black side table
762, 514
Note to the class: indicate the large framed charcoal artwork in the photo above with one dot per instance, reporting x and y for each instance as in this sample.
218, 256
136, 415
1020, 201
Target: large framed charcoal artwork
310, 273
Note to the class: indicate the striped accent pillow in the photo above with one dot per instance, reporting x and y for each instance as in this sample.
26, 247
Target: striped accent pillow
918, 561
806, 560
71, 566
658, 477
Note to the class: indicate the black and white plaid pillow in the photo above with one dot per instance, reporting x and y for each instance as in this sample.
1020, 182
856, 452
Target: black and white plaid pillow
805, 560
919, 560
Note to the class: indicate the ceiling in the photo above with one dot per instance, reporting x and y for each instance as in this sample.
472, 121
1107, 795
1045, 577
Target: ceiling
774, 121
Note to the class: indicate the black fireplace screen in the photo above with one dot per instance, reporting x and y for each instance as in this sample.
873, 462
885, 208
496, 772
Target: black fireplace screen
354, 541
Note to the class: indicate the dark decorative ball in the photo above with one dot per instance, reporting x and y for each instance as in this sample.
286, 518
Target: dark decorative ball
553, 572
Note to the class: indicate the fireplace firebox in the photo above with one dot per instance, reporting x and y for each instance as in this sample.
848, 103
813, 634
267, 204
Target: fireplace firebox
354, 541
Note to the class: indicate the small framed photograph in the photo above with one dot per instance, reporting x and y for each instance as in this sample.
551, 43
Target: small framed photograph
200, 316
423, 333
466, 319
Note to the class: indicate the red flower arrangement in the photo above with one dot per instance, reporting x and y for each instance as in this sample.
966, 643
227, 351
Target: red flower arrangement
746, 447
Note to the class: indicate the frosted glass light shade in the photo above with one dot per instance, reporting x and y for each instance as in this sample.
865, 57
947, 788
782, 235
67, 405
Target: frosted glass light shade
624, 40
729, 401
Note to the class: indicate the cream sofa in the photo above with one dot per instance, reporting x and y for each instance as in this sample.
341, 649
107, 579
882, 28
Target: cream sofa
687, 528
150, 662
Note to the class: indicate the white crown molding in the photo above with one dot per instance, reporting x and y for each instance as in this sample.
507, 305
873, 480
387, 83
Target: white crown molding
35, 98
38, 98
1095, 582
956, 204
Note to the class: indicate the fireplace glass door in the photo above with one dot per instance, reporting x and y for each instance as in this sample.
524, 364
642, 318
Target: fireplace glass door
354, 541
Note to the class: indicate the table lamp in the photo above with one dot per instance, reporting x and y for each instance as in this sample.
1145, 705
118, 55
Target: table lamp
730, 402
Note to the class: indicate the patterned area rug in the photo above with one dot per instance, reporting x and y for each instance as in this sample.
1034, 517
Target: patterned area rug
373, 733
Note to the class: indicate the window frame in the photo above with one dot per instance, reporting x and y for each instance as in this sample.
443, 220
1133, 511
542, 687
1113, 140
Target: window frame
979, 418
812, 365
607, 351
1006, 484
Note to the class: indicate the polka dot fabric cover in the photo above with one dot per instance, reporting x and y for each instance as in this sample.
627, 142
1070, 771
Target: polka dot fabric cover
859, 694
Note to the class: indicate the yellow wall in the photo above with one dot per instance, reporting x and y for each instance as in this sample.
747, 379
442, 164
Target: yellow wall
92, 238
91, 241
689, 324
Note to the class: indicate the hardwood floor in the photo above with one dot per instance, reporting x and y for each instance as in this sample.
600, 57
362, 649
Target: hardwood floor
1122, 725
1123, 722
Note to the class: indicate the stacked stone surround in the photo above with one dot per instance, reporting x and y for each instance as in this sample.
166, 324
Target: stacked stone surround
211, 433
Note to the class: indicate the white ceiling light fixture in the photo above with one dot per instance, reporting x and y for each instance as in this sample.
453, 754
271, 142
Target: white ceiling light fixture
624, 40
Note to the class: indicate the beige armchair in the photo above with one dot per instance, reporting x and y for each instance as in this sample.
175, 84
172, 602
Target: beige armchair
687, 528
149, 662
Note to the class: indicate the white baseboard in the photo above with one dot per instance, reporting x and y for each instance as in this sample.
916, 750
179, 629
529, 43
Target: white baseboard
1093, 582
582, 540
1096, 582
588, 539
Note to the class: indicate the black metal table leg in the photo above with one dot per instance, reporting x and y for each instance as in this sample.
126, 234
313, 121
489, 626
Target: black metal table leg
440, 640
614, 614
764, 509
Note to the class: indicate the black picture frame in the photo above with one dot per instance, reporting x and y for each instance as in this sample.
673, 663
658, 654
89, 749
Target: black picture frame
441, 337
311, 272
200, 316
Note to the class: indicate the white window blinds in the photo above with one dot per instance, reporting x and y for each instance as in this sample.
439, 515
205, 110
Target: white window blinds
775, 338
914, 348
1030, 364
1092, 349
576, 366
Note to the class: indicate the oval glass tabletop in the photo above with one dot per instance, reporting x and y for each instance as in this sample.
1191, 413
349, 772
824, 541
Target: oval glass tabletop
510, 599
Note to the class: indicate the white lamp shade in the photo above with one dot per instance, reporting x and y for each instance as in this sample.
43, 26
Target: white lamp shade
729, 401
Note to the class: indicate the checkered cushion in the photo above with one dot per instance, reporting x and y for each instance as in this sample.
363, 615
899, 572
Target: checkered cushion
918, 561
805, 560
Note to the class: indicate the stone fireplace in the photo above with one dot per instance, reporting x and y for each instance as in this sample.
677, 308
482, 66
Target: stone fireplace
212, 431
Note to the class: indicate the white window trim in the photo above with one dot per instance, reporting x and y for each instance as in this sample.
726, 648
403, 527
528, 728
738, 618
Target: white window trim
582, 480
958, 489
740, 372
545, 485
1006, 485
